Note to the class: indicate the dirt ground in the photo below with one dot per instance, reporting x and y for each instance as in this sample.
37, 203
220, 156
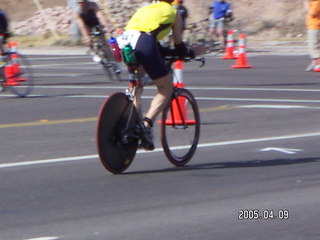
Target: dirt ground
19, 10
270, 19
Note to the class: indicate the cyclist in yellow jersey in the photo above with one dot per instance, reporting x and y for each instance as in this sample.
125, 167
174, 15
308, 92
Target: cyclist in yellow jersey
148, 25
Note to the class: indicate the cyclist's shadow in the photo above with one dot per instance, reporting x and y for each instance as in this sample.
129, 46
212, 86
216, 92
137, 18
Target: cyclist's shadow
234, 164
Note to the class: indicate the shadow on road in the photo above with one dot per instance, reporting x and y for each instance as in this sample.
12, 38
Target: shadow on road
240, 164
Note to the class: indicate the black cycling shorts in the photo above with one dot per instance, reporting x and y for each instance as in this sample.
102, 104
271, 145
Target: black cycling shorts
148, 54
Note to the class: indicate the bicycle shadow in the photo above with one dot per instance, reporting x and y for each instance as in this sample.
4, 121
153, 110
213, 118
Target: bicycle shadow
231, 164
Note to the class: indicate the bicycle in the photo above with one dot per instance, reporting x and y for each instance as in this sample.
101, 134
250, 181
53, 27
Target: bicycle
103, 54
118, 136
198, 37
16, 74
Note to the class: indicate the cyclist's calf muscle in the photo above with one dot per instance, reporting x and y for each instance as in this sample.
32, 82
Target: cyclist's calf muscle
165, 90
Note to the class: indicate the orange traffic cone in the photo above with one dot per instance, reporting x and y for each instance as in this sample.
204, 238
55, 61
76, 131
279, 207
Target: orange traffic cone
13, 46
10, 76
15, 62
242, 57
179, 112
229, 54
178, 74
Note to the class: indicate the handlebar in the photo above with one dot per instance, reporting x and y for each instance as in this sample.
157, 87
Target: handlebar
97, 31
172, 59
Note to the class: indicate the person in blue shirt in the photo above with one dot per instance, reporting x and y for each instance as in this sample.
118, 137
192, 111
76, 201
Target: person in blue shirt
221, 13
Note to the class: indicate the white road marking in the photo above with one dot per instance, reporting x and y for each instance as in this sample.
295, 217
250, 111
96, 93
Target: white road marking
282, 150
197, 88
258, 100
202, 145
278, 106
63, 65
43, 238
59, 58
254, 89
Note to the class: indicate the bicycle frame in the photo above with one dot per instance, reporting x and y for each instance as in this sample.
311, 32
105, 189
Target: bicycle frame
99, 40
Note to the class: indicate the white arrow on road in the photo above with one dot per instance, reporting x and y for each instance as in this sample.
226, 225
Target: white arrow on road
283, 150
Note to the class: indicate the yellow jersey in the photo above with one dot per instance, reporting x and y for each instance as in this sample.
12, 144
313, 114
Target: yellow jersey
157, 19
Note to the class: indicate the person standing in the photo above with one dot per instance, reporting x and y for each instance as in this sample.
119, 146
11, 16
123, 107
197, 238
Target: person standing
312, 8
182, 11
221, 12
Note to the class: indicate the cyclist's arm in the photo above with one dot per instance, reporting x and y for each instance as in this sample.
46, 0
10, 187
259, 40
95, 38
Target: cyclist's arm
82, 27
1, 43
102, 17
177, 30
180, 47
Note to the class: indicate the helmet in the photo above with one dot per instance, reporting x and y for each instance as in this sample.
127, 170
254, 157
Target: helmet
175, 2
168, 1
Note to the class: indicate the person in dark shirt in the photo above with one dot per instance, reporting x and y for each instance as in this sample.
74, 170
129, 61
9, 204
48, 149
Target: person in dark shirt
3, 29
88, 15
182, 11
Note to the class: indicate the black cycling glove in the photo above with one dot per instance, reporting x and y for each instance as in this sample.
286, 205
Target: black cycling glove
166, 51
183, 52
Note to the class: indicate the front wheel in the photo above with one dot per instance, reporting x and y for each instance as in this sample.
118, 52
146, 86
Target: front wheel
180, 127
117, 141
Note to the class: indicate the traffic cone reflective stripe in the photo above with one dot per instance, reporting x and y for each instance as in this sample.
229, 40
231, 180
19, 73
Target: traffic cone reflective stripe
229, 54
16, 67
177, 72
242, 57
13, 46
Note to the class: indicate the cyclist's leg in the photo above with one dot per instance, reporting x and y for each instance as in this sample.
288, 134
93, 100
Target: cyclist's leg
221, 33
2, 61
2, 40
137, 100
212, 30
148, 54
165, 90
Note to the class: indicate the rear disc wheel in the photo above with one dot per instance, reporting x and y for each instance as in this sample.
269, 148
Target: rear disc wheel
117, 144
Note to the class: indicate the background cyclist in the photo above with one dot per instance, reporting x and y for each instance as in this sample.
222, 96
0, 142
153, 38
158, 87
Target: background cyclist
148, 25
3, 33
88, 16
182, 10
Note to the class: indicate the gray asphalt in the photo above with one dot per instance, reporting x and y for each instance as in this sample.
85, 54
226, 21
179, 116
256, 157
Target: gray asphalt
258, 154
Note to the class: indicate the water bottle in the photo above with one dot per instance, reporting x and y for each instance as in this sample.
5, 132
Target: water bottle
115, 49
128, 54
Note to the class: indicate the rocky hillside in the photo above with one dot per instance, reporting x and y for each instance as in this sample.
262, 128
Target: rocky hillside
272, 19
